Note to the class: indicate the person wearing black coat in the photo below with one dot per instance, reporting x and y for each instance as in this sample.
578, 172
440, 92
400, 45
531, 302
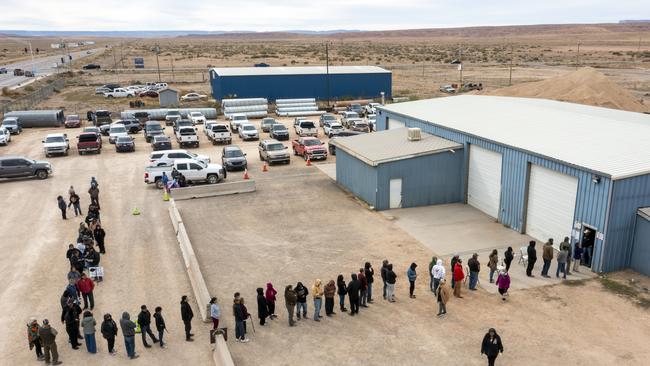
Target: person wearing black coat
509, 255
532, 258
491, 346
72, 324
353, 293
144, 321
370, 273
160, 325
100, 235
384, 270
341, 290
109, 332
187, 315
262, 306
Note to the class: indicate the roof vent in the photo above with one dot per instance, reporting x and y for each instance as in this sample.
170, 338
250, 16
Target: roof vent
415, 134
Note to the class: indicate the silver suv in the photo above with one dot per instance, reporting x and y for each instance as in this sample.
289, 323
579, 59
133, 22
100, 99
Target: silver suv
272, 151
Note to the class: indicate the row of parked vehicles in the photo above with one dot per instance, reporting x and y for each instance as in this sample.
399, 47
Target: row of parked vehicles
10, 126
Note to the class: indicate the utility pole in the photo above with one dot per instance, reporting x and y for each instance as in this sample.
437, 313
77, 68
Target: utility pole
638, 49
460, 66
578, 57
327, 69
171, 62
511, 57
122, 54
157, 49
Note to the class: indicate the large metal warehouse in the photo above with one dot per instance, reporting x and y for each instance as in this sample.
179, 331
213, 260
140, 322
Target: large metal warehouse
341, 82
546, 168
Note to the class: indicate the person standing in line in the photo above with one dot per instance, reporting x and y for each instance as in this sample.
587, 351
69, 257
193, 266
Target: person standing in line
86, 286
128, 331
301, 293
317, 294
474, 269
363, 300
459, 276
384, 270
109, 332
240, 318
165, 181
493, 260
93, 192
144, 321
62, 206
391, 279
532, 258
412, 276
94, 183
160, 325
491, 346
34, 339
577, 257
452, 266
47, 334
353, 293
88, 324
215, 312
442, 296
262, 307
270, 300
503, 284
73, 201
370, 274
438, 272
547, 257
100, 236
433, 262
562, 256
187, 315
71, 191
566, 246
342, 290
72, 324
290, 300
508, 256
330, 292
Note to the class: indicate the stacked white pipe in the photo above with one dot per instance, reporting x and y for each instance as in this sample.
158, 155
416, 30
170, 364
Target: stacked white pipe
251, 107
297, 107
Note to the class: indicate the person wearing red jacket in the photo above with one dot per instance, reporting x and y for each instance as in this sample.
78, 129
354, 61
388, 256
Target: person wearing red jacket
86, 286
458, 277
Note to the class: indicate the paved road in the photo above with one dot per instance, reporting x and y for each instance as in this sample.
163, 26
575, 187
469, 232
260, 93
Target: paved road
42, 66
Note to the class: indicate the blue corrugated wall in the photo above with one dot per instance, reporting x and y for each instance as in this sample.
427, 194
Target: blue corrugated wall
357, 177
591, 201
640, 260
627, 196
272, 87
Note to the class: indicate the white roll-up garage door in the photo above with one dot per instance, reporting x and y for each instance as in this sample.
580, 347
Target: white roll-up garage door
393, 123
551, 204
484, 180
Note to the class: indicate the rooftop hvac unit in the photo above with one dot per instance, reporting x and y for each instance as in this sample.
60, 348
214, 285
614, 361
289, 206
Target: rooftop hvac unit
415, 134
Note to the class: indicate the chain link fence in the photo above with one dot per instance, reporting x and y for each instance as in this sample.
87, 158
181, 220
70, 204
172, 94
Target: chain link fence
28, 101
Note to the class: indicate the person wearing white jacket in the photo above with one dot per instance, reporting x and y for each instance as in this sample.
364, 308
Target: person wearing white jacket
438, 273
215, 313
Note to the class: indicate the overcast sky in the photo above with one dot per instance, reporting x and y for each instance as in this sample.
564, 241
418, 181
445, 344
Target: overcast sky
267, 15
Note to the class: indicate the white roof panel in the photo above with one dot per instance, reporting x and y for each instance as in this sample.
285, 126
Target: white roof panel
608, 141
297, 70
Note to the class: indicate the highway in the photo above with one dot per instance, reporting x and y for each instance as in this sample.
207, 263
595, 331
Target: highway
42, 66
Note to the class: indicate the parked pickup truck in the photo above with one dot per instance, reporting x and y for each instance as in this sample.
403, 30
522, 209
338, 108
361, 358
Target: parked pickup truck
191, 169
187, 136
120, 93
219, 133
309, 148
306, 128
89, 142
56, 144
18, 166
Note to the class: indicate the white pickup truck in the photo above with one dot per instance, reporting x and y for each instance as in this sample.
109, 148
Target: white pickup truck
219, 133
306, 128
236, 119
192, 170
187, 136
120, 93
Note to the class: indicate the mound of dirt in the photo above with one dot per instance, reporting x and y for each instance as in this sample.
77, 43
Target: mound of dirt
584, 86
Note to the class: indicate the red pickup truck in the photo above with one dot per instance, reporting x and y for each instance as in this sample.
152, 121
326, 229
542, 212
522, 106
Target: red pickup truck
309, 148
89, 142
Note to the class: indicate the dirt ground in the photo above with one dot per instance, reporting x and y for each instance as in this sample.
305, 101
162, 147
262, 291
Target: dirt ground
300, 226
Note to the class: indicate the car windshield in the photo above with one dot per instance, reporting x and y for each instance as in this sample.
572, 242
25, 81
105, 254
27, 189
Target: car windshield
173, 113
268, 121
275, 147
118, 129
239, 118
87, 138
154, 127
52, 139
312, 142
307, 124
248, 128
234, 153
72, 117
9, 122
336, 127
352, 115
124, 139
219, 128
102, 113
187, 132
196, 114
279, 128
161, 139
329, 117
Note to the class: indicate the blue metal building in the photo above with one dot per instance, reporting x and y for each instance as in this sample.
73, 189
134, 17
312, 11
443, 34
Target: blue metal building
341, 82
549, 169
641, 247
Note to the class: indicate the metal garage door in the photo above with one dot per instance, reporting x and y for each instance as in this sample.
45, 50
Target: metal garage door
551, 204
640, 261
393, 123
484, 180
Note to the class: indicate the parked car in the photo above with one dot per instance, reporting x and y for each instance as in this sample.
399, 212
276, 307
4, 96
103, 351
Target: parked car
306, 128
89, 142
371, 108
171, 116
447, 89
359, 125
56, 144
219, 133
94, 130
102, 117
197, 118
350, 122
279, 132
356, 108
19, 72
332, 128
191, 169
148, 93
115, 131
29, 74
3, 70
161, 142
72, 120
132, 125
327, 117
344, 133
169, 156
247, 131
91, 67
207, 126
142, 117
187, 136
120, 93
182, 123
237, 119
297, 120
309, 148
13, 125
101, 90
266, 124
18, 166
472, 86
152, 129
193, 96
124, 143
272, 151
233, 158
5, 136
345, 116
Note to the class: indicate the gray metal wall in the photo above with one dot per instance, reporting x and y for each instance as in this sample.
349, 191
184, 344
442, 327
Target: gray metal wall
591, 201
38, 118
640, 260
357, 177
168, 100
426, 180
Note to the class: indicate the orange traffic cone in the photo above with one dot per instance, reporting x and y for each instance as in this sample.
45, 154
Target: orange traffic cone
309, 161
265, 167
246, 174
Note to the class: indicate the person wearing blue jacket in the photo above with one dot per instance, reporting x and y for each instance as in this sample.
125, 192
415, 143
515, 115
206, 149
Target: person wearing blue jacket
412, 276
